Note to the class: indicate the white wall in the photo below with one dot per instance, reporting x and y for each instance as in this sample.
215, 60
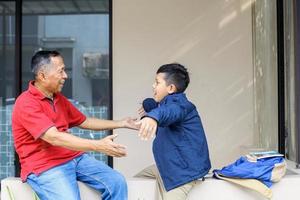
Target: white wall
212, 38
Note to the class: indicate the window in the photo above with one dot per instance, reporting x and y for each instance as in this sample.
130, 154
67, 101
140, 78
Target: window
80, 31
292, 80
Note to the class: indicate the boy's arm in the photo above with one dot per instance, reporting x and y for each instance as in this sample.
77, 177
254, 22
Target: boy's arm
164, 115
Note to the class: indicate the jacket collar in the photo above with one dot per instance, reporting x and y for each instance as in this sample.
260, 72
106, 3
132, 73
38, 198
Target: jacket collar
173, 96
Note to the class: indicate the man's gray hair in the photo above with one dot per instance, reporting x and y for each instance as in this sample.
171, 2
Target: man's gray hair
42, 60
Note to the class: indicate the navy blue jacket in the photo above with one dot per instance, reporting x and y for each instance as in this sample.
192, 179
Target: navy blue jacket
180, 147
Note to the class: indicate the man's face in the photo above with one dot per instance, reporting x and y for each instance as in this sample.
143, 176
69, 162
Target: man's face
55, 76
160, 87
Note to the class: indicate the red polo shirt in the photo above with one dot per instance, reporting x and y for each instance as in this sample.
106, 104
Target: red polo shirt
32, 116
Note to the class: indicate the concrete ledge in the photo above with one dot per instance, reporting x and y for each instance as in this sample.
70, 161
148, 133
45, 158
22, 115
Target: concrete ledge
22, 191
287, 189
145, 189
142, 189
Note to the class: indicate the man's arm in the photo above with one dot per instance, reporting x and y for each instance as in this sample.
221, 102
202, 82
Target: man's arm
101, 124
69, 141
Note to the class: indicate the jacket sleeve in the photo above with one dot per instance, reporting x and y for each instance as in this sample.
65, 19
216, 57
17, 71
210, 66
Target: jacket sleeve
168, 114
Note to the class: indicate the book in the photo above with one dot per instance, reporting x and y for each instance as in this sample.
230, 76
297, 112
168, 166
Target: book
253, 156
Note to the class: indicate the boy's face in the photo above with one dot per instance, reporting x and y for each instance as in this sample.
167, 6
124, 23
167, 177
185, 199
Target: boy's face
161, 88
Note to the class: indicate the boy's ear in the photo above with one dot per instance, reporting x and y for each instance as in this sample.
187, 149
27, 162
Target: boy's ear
172, 89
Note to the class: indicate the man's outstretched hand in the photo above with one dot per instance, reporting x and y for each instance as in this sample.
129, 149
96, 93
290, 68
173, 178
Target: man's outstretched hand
130, 123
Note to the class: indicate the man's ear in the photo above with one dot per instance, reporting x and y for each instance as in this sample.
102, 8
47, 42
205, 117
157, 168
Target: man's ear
41, 75
172, 89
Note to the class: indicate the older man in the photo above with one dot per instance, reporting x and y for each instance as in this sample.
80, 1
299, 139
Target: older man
52, 160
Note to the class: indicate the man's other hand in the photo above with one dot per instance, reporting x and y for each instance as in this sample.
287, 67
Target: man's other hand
109, 147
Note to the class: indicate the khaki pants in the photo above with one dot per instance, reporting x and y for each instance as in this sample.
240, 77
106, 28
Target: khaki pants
179, 193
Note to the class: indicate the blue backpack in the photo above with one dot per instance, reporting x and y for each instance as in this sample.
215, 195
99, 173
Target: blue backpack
267, 170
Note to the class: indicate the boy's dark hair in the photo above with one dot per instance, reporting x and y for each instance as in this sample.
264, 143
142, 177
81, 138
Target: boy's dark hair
42, 58
176, 74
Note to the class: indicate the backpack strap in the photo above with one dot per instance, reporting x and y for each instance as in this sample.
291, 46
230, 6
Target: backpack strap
252, 184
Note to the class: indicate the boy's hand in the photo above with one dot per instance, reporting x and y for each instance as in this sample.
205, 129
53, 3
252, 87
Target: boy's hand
148, 128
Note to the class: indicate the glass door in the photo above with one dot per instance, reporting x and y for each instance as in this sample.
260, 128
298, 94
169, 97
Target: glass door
7, 86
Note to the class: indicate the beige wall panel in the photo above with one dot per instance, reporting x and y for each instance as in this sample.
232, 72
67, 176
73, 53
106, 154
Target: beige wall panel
213, 39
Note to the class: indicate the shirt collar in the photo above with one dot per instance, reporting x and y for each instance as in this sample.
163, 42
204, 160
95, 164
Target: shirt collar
35, 92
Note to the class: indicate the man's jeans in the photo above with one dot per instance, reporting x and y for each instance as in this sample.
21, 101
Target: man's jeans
60, 182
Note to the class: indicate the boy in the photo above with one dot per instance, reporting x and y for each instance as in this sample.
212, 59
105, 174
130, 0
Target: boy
180, 147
